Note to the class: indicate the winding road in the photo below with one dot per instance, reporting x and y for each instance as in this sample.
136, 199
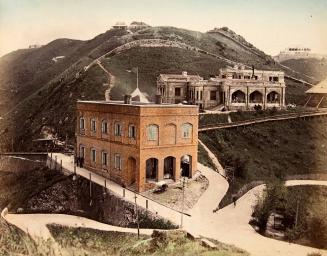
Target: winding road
229, 225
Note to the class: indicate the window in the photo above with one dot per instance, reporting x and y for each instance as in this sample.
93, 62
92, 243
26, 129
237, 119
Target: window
104, 127
118, 129
132, 131
93, 155
197, 95
104, 158
177, 91
81, 151
247, 77
152, 132
187, 130
117, 161
200, 95
82, 123
213, 95
93, 125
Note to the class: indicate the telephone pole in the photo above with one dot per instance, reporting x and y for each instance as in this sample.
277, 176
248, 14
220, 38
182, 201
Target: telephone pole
137, 218
183, 198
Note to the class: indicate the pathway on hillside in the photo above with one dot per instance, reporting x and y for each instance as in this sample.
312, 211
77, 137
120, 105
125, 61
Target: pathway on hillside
155, 207
229, 225
263, 120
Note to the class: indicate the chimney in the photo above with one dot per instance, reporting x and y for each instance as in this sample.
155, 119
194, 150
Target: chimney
252, 71
158, 99
127, 99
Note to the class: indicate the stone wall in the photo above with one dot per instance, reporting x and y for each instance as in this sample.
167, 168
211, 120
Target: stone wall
17, 163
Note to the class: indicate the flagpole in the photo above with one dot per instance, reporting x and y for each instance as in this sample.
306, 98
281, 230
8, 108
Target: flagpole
137, 77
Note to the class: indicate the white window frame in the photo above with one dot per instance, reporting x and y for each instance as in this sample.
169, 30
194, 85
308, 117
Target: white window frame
187, 134
104, 127
132, 128
118, 132
104, 158
93, 121
82, 121
117, 162
93, 160
148, 131
81, 150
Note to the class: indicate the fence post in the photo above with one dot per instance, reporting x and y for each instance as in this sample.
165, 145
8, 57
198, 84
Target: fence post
90, 186
147, 204
123, 192
55, 164
74, 169
61, 165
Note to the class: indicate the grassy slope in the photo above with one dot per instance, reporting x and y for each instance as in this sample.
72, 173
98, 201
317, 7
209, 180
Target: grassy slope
316, 68
88, 241
266, 150
54, 105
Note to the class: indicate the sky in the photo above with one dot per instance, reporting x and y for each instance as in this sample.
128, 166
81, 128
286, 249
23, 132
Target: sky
270, 25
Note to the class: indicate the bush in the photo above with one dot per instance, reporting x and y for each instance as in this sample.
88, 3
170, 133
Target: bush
317, 232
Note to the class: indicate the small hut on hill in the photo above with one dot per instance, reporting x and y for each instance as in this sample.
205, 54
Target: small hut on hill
317, 95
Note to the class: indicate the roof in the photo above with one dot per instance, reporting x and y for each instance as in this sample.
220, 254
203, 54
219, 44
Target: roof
180, 77
320, 88
136, 104
120, 23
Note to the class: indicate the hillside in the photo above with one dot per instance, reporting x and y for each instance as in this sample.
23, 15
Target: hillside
263, 151
38, 93
316, 68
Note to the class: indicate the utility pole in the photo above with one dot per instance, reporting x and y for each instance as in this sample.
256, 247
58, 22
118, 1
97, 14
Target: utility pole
183, 198
137, 218
297, 212
137, 77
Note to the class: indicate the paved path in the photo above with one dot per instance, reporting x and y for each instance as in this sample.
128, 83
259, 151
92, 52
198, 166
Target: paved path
154, 207
228, 225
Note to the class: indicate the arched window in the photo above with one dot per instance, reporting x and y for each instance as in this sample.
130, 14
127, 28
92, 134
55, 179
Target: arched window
82, 123
153, 132
132, 131
93, 155
104, 127
117, 162
104, 158
238, 97
118, 129
187, 130
93, 125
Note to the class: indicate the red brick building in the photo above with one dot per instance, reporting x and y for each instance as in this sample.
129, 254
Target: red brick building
137, 144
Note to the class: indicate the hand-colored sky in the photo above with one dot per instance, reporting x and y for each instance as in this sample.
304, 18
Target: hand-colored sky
271, 25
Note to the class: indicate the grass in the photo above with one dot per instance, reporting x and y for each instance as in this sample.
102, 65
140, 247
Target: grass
49, 94
89, 241
264, 150
204, 158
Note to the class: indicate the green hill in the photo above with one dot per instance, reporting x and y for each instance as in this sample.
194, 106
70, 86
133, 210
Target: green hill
37, 92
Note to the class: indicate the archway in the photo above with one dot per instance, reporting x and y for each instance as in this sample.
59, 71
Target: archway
273, 97
131, 170
151, 168
256, 97
169, 167
238, 97
186, 166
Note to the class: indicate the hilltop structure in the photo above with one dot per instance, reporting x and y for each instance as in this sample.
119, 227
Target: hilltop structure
135, 25
296, 52
135, 143
234, 88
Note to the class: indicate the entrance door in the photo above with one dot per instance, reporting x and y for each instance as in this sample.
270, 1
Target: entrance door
131, 165
169, 167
